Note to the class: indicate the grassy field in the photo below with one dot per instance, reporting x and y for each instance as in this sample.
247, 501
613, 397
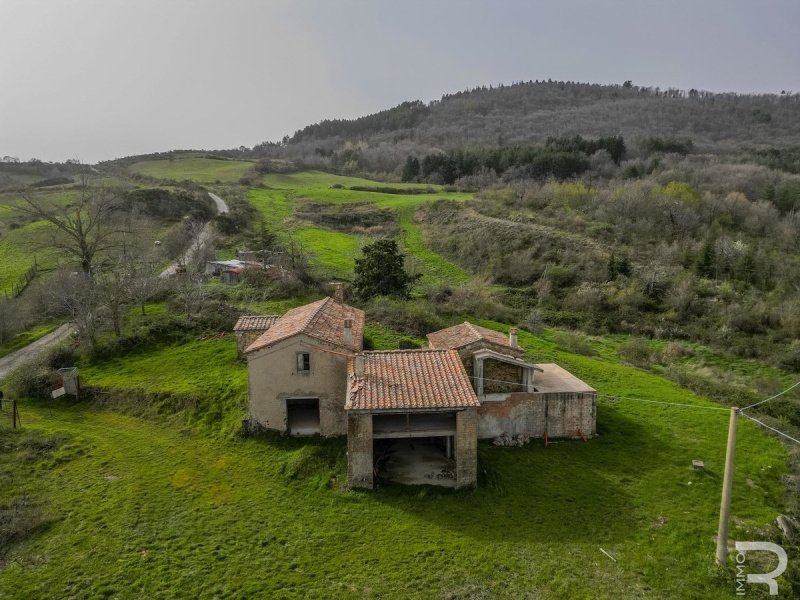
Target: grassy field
335, 251
202, 170
161, 506
18, 239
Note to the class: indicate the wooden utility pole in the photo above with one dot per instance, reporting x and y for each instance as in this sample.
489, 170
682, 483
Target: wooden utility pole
727, 485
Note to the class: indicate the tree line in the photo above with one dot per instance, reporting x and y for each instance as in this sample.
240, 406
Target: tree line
560, 158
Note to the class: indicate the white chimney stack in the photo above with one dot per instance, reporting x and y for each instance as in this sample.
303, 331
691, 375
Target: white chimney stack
359, 365
512, 337
338, 293
348, 332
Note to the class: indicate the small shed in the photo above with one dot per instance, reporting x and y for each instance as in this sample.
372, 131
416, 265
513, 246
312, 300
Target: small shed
249, 328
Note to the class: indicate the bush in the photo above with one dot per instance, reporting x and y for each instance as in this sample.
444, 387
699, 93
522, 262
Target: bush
574, 343
637, 352
410, 317
34, 379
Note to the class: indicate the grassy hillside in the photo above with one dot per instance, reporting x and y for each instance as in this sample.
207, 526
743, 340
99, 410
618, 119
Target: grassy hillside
335, 250
203, 170
183, 509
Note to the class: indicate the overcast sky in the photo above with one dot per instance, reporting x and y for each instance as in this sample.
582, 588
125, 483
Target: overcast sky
101, 79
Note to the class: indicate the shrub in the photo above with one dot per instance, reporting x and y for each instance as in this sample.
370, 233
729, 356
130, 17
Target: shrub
572, 342
410, 317
637, 352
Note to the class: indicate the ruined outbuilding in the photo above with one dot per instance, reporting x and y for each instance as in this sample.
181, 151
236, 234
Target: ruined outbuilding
413, 416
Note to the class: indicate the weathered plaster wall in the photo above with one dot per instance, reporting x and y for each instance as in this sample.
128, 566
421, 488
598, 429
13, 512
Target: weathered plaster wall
273, 378
466, 448
567, 414
359, 450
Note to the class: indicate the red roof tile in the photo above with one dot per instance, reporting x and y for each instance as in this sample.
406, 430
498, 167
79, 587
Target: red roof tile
255, 322
323, 320
466, 333
410, 380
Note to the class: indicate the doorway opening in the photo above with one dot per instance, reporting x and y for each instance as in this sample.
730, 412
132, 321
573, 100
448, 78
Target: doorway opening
303, 416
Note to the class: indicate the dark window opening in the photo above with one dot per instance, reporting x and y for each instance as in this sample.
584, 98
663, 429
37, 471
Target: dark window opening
303, 362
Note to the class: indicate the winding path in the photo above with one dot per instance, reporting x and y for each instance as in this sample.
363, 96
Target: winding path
205, 234
11, 361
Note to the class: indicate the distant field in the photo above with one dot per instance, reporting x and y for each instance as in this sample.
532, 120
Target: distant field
203, 170
336, 251
191, 507
17, 252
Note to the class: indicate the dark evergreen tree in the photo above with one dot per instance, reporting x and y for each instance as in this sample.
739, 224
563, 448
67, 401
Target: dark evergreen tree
411, 169
381, 272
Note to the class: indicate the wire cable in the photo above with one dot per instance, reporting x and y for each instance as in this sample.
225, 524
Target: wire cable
684, 405
789, 389
786, 435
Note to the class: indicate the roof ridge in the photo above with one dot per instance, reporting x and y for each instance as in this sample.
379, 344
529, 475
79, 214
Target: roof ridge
472, 328
314, 313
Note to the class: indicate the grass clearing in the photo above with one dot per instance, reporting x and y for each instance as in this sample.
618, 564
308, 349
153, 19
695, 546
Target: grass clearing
202, 170
335, 251
153, 508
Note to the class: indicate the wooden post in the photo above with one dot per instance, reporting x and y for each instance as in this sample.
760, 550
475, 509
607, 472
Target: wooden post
14, 414
727, 486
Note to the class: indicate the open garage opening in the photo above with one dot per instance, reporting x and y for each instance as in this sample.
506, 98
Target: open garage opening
415, 448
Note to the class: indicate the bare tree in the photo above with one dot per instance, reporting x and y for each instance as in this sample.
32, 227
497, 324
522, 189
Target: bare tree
75, 295
83, 229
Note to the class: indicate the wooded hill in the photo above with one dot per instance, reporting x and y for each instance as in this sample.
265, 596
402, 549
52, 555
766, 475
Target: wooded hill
527, 113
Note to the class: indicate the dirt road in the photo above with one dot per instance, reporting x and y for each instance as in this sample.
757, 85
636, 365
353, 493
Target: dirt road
201, 241
11, 361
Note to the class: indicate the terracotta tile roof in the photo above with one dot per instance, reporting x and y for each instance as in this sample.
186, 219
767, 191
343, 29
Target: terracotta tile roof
323, 320
410, 380
466, 333
255, 322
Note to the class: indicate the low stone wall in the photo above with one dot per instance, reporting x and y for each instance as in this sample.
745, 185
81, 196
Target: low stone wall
561, 415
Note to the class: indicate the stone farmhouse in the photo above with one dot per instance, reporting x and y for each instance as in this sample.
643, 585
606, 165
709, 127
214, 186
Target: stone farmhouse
412, 416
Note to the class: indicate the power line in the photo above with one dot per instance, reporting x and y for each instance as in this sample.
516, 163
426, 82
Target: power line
684, 405
789, 389
787, 436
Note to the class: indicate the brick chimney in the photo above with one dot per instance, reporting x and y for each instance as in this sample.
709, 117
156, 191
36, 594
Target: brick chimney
348, 332
512, 337
359, 365
338, 292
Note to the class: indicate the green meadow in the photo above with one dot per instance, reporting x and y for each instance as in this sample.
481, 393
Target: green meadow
202, 170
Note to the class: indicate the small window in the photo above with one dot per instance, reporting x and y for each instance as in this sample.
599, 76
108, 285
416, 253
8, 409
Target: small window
303, 362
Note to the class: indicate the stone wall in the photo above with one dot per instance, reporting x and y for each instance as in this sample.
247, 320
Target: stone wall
466, 448
359, 450
567, 414
497, 374
244, 339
